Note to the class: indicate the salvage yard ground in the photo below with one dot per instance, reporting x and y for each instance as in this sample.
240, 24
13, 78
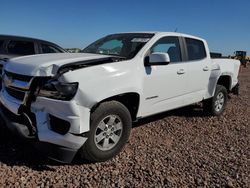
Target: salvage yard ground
175, 149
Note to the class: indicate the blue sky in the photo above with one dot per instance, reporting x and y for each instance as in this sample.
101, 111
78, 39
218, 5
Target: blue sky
225, 24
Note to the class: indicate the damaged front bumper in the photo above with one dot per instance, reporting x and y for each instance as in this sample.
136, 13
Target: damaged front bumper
59, 125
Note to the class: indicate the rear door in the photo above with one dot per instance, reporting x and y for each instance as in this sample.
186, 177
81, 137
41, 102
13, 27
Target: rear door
199, 66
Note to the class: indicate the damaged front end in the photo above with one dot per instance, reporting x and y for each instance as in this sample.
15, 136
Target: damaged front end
15, 102
41, 109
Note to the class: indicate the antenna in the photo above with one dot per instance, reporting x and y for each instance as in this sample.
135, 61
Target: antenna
176, 29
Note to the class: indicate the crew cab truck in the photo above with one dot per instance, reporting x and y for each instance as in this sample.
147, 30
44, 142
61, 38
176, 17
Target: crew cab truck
85, 103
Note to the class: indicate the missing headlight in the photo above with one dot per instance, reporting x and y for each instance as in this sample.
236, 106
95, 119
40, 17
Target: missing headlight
58, 90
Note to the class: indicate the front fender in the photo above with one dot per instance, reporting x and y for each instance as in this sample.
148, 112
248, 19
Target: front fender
101, 82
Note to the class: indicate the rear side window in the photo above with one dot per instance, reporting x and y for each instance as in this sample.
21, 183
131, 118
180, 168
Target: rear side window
196, 49
168, 45
49, 49
21, 47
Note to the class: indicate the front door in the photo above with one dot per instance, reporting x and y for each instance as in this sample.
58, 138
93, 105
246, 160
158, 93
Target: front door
164, 86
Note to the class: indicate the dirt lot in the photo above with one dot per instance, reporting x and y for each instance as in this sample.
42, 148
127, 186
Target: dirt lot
181, 148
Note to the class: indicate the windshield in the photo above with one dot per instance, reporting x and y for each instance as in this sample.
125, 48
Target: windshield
123, 45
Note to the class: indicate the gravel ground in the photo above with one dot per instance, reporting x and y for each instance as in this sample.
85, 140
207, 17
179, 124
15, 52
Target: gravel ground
181, 148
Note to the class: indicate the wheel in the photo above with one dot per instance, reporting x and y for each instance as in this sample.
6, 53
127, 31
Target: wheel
216, 105
110, 126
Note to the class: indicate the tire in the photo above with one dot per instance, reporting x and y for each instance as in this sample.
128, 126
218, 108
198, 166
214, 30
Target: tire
216, 105
110, 126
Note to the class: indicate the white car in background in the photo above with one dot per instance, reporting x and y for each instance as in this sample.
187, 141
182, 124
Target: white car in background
86, 102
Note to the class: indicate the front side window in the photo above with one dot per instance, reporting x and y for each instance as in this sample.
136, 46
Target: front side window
196, 49
49, 49
170, 45
125, 45
21, 47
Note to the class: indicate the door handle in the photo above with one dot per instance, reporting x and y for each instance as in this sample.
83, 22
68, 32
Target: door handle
181, 71
206, 68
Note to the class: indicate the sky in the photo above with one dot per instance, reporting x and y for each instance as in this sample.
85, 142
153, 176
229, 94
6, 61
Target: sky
225, 24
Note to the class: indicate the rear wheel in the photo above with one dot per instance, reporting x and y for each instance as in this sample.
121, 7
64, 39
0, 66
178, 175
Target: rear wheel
109, 131
216, 105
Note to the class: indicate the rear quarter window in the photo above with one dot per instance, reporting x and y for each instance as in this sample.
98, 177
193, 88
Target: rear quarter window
196, 49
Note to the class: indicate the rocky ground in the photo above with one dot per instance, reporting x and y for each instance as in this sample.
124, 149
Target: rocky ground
181, 148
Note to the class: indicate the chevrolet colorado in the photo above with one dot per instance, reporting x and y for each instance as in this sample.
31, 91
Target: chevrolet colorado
85, 103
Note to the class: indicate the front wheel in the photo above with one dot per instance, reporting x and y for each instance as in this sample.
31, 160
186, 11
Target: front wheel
110, 126
216, 105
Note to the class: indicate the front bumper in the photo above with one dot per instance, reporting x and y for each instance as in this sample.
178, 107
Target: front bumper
56, 152
59, 147
14, 124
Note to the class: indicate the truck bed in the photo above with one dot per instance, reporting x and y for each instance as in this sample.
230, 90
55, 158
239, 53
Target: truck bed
230, 66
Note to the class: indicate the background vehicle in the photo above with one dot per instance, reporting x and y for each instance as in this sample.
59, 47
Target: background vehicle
14, 46
215, 55
242, 56
86, 102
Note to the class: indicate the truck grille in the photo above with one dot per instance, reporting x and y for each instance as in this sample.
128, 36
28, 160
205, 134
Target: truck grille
20, 77
18, 94
16, 85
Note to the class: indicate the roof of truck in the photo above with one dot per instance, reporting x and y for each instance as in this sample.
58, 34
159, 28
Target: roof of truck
164, 33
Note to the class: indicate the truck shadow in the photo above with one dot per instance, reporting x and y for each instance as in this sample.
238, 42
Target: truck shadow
16, 152
188, 112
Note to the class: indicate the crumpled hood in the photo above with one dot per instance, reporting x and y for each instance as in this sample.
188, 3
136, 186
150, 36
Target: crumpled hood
46, 64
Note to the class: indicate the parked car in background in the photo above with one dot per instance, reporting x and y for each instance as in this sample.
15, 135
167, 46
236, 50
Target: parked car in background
14, 46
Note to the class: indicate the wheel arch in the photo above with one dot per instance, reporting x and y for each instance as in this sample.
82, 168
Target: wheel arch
226, 81
131, 100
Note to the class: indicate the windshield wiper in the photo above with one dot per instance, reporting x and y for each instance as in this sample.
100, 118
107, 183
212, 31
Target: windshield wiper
115, 55
85, 63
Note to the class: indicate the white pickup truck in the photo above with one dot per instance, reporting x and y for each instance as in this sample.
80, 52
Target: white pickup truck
85, 103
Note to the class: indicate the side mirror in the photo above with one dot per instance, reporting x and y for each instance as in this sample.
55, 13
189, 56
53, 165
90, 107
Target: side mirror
157, 58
